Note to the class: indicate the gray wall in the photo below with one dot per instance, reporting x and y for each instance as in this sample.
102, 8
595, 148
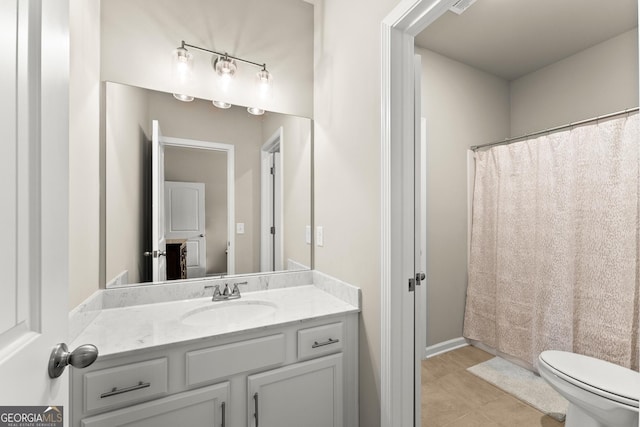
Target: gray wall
464, 107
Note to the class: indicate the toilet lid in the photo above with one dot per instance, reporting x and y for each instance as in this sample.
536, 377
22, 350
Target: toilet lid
590, 373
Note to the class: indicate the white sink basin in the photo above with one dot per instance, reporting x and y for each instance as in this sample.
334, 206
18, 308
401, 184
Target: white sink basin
229, 312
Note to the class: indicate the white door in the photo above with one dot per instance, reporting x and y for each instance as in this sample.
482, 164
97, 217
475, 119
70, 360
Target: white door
185, 219
34, 118
158, 239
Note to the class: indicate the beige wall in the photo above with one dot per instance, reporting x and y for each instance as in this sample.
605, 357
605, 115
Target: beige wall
139, 37
84, 132
295, 150
599, 80
184, 164
128, 162
463, 106
347, 167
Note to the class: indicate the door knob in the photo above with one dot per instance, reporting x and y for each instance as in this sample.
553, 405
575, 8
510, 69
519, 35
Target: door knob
155, 254
81, 357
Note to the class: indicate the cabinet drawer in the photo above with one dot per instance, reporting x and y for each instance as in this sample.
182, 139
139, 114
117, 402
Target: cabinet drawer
319, 340
125, 384
224, 360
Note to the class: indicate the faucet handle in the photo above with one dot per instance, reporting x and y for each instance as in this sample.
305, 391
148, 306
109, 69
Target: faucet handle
236, 290
216, 290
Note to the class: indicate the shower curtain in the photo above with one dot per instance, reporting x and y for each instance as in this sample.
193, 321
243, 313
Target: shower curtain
554, 258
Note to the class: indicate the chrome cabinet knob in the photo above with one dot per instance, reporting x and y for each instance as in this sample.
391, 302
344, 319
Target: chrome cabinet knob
81, 357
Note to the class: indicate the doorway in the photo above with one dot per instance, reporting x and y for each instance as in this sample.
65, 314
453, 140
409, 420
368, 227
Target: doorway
401, 28
219, 202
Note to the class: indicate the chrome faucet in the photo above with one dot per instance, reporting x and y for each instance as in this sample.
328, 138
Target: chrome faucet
226, 294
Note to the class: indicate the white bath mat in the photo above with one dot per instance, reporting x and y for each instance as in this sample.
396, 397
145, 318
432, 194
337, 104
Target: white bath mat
523, 384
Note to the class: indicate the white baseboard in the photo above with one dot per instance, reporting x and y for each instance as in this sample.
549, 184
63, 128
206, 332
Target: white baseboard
443, 347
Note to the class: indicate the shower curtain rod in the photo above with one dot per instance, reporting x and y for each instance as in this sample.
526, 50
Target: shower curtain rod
555, 129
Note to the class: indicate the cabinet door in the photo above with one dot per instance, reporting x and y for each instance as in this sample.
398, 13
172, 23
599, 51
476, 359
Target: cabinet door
305, 394
197, 408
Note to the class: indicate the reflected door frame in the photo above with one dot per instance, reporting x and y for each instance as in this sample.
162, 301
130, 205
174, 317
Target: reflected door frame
271, 209
229, 150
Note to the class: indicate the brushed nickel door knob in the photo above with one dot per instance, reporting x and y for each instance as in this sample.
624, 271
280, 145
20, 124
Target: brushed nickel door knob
81, 357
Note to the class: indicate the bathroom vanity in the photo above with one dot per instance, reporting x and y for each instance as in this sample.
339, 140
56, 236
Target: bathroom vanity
280, 357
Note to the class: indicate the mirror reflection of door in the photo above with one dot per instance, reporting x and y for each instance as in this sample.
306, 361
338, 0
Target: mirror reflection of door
202, 210
271, 235
185, 221
158, 239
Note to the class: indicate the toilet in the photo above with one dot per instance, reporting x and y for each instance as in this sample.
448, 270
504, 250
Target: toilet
600, 393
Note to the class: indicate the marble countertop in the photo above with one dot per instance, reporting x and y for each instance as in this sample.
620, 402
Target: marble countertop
116, 331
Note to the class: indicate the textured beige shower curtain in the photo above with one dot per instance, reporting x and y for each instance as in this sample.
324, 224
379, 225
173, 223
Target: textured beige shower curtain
554, 260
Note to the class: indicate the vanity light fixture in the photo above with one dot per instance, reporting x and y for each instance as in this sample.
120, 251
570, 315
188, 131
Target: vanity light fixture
255, 111
224, 64
221, 104
183, 98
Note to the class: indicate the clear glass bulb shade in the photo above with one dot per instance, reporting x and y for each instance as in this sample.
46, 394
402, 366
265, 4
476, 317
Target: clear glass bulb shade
182, 63
221, 104
182, 97
224, 66
255, 111
263, 83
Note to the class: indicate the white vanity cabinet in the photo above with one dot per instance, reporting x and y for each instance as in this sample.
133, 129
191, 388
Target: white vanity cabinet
300, 374
202, 407
305, 394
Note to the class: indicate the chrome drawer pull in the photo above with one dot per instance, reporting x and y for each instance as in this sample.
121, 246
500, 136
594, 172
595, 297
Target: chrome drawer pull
125, 390
317, 344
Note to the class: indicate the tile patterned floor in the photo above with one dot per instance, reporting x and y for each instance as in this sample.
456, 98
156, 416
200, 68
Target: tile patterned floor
453, 397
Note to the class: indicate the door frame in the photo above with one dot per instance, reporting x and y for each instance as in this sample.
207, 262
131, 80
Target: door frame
273, 144
229, 149
398, 30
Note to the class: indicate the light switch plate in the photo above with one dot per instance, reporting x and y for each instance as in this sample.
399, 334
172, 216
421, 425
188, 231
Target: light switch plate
240, 228
319, 235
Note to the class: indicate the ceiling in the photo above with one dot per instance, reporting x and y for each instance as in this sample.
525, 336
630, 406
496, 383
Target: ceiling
511, 38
